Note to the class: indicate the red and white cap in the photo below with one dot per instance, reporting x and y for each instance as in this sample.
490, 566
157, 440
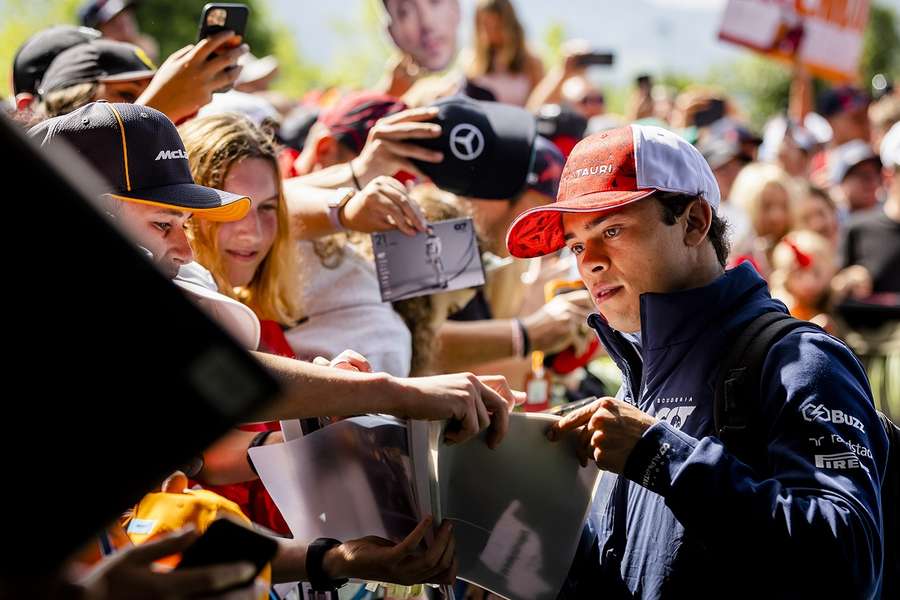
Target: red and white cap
609, 170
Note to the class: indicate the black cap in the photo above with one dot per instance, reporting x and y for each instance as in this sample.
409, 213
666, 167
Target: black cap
97, 12
138, 152
487, 148
841, 99
100, 60
35, 55
546, 168
296, 125
554, 120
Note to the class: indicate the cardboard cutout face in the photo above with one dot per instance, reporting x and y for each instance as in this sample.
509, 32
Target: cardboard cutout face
426, 30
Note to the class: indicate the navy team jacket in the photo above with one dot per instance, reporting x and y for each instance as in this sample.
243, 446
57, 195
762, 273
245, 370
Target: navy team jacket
688, 519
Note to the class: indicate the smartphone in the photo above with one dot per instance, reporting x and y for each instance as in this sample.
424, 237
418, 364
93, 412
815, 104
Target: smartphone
226, 541
644, 82
596, 58
216, 18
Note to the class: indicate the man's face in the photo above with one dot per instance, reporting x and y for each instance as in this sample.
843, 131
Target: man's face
122, 91
320, 151
425, 29
493, 217
584, 97
624, 253
850, 125
159, 230
861, 184
122, 27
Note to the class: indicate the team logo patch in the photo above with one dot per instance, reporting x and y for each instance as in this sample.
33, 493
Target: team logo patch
466, 142
818, 412
841, 460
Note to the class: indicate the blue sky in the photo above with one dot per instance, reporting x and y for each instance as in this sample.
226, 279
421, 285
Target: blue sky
647, 35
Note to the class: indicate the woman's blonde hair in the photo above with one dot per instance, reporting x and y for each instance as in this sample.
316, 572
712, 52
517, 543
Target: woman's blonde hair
214, 145
751, 182
513, 56
65, 100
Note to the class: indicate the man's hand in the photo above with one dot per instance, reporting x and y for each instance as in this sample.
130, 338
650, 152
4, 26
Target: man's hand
130, 574
853, 282
470, 403
377, 559
608, 429
559, 323
186, 80
384, 203
387, 149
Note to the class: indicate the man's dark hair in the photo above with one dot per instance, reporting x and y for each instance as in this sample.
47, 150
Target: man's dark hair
673, 206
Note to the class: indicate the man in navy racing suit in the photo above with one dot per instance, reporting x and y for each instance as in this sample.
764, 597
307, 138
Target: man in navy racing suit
679, 515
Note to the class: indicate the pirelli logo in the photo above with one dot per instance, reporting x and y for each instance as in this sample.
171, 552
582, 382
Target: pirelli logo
841, 460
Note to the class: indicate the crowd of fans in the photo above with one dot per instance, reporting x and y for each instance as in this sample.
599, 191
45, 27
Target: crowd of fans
270, 204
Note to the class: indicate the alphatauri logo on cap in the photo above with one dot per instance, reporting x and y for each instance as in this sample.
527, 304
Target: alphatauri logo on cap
170, 154
466, 142
595, 170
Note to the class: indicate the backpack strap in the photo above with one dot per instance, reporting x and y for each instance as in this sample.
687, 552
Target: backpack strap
738, 381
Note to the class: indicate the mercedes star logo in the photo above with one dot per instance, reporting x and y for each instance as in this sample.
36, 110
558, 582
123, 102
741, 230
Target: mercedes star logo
466, 142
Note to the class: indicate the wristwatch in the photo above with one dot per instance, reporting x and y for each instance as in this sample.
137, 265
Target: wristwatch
336, 202
315, 571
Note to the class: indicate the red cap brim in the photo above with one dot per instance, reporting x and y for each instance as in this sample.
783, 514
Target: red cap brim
539, 231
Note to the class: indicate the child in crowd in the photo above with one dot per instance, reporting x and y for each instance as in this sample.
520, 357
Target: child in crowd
803, 264
816, 211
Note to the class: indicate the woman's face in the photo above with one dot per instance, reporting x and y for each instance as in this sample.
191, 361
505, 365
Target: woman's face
425, 29
490, 28
817, 215
774, 218
244, 244
810, 284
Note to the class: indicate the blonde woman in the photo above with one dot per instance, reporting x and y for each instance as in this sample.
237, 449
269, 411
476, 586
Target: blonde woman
500, 60
253, 261
765, 192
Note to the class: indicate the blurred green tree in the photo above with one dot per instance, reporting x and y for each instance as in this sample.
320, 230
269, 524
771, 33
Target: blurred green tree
881, 45
173, 23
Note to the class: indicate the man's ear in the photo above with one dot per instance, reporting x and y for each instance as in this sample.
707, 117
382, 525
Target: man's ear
697, 219
327, 151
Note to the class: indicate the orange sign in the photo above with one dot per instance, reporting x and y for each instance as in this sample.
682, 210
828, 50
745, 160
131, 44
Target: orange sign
824, 35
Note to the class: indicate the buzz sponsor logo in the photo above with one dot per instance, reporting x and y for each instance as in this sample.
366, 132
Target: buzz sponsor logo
841, 460
818, 412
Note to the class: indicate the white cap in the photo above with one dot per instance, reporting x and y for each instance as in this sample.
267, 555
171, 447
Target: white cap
250, 105
234, 317
846, 156
255, 69
890, 147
